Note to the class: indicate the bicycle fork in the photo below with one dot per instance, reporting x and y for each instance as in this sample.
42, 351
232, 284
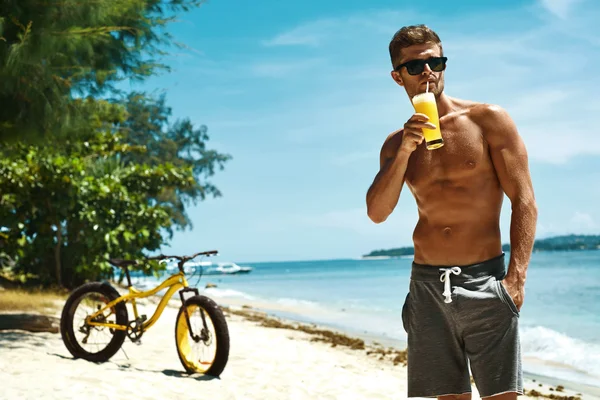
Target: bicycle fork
203, 333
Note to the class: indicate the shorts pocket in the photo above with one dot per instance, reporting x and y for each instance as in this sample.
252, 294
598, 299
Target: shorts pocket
505, 297
405, 313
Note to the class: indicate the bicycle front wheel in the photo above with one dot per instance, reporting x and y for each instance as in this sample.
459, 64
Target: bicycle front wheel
205, 348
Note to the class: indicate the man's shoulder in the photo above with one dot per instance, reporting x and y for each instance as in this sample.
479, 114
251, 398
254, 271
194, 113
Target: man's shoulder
485, 113
495, 122
478, 112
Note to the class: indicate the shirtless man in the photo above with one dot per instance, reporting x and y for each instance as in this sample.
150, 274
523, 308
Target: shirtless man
463, 307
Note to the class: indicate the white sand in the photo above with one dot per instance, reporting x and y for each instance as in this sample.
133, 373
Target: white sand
264, 363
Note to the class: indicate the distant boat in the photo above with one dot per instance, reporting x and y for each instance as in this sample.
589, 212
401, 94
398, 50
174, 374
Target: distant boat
227, 268
211, 268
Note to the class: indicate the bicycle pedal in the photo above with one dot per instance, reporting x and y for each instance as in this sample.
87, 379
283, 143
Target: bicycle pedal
143, 318
138, 342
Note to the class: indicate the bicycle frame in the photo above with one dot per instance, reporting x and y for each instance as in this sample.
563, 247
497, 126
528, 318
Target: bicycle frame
175, 282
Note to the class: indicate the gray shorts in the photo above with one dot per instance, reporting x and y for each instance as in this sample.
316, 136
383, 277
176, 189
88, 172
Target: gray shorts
461, 317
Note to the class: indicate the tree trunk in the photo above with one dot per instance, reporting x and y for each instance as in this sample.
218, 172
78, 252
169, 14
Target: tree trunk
57, 263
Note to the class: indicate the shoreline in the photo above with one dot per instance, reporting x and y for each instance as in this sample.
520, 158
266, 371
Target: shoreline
540, 370
535, 386
273, 311
302, 314
271, 358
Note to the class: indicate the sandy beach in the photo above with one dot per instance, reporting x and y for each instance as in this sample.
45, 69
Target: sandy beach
270, 359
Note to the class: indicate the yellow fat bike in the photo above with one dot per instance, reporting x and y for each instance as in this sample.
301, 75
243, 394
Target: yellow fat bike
95, 322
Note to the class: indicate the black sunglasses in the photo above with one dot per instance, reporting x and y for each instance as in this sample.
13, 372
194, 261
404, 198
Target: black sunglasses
415, 67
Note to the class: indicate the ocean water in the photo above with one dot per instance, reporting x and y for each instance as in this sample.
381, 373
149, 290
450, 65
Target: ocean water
560, 319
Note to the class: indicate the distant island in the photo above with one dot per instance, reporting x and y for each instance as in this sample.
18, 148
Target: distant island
557, 243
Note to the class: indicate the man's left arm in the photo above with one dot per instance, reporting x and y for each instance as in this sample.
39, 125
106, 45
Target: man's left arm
510, 160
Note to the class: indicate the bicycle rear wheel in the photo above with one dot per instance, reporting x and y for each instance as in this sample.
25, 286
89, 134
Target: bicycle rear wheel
205, 349
92, 343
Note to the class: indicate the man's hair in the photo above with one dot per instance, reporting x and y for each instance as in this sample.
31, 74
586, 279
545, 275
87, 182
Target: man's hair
411, 35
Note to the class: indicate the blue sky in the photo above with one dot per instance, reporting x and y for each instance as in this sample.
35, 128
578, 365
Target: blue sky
299, 93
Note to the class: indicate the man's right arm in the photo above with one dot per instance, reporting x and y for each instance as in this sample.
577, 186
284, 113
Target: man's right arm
384, 193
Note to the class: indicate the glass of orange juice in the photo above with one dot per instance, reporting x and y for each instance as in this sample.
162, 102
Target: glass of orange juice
424, 103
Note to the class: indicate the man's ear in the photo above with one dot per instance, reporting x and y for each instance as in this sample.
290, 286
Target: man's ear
397, 78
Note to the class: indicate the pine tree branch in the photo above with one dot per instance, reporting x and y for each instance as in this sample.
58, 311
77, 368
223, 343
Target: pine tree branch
92, 31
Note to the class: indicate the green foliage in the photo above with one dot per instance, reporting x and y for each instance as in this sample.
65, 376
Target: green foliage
179, 143
67, 208
401, 251
84, 179
51, 50
568, 242
557, 243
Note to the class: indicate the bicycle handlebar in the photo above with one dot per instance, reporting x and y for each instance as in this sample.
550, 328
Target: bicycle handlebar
183, 259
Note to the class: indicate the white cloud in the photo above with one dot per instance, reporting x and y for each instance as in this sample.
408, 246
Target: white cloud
554, 125
398, 227
545, 229
343, 160
309, 34
559, 142
337, 95
540, 104
560, 8
293, 39
282, 69
353, 219
350, 27
354, 98
583, 223
518, 69
580, 223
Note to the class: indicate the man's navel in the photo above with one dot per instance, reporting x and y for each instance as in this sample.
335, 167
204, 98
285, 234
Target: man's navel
447, 231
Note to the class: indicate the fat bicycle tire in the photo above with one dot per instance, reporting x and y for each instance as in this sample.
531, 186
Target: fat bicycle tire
221, 336
67, 330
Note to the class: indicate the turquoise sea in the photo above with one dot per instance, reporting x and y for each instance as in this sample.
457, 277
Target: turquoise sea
560, 319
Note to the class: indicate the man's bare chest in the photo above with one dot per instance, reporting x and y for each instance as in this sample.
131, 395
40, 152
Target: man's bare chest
464, 156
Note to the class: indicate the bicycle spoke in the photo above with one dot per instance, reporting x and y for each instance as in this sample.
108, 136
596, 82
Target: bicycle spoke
198, 356
92, 338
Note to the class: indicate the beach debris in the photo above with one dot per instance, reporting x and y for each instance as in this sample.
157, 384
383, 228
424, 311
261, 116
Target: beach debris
29, 323
320, 335
535, 393
401, 358
396, 356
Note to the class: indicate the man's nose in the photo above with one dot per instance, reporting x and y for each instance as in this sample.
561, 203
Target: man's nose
427, 70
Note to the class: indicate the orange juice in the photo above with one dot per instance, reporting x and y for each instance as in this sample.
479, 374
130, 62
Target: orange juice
424, 103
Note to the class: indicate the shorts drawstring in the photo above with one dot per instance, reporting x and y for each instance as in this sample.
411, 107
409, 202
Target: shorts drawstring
446, 279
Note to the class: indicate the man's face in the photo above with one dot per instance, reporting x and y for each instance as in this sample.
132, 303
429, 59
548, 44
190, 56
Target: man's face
415, 84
